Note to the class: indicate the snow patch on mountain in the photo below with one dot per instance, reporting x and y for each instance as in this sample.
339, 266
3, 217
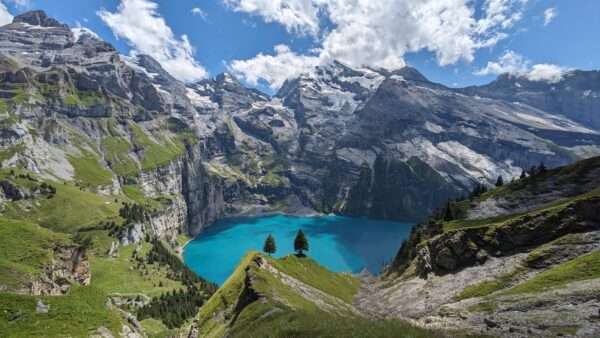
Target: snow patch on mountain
200, 101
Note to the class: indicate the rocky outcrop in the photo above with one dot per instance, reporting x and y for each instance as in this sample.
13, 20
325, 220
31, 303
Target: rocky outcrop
453, 250
69, 266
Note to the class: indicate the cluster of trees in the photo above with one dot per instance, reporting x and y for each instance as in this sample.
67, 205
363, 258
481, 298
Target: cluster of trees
162, 255
174, 308
478, 190
300, 244
451, 211
133, 213
534, 171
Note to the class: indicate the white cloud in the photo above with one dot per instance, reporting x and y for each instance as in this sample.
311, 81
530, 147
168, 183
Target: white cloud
80, 30
379, 33
297, 16
515, 64
549, 15
139, 23
274, 69
546, 72
5, 16
22, 3
510, 62
199, 12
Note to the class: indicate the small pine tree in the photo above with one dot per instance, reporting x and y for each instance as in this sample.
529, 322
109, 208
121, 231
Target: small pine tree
523, 174
500, 181
270, 247
448, 214
533, 171
542, 168
300, 243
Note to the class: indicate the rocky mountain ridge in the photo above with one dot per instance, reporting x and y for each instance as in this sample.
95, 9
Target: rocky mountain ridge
327, 141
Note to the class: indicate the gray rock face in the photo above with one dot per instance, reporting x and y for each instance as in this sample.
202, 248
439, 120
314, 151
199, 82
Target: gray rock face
576, 96
38, 18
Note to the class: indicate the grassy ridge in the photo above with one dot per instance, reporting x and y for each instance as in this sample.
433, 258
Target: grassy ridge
310, 272
284, 311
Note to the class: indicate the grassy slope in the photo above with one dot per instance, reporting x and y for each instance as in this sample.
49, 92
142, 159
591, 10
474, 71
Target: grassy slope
156, 154
77, 314
69, 210
581, 268
89, 171
307, 270
24, 248
120, 275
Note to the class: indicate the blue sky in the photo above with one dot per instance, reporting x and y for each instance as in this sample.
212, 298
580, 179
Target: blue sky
221, 33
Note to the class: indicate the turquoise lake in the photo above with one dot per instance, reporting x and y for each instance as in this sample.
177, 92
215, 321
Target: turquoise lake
341, 244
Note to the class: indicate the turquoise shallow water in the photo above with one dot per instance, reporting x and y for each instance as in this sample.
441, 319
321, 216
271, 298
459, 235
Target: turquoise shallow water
341, 244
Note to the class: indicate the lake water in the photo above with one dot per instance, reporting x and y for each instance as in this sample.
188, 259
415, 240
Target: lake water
341, 244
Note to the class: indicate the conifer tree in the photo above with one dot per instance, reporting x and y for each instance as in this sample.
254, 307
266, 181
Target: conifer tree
533, 171
270, 247
300, 243
500, 181
448, 214
542, 168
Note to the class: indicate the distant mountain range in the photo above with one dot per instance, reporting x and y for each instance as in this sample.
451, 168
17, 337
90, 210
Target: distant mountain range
337, 140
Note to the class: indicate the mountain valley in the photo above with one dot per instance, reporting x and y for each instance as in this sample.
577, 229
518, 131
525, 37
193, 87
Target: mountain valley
109, 166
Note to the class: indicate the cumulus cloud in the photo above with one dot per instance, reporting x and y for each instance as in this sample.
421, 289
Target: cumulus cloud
549, 15
199, 12
546, 72
297, 16
5, 16
79, 31
139, 23
274, 69
21, 3
379, 33
509, 63
517, 65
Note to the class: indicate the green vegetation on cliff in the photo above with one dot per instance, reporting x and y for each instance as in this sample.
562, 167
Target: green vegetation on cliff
579, 269
89, 171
